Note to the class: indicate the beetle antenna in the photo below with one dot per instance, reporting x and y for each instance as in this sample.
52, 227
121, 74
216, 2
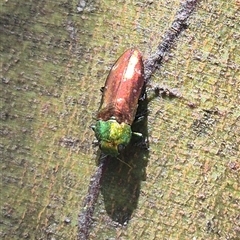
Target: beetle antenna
103, 156
124, 163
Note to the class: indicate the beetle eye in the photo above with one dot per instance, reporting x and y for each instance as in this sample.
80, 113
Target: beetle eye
120, 147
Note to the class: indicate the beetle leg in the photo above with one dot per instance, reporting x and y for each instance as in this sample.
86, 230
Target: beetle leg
95, 143
140, 117
139, 135
141, 141
162, 91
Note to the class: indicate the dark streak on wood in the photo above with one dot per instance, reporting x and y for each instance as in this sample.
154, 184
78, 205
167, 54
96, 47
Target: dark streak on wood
178, 25
150, 65
85, 216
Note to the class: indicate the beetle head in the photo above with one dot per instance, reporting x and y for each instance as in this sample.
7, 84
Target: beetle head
112, 136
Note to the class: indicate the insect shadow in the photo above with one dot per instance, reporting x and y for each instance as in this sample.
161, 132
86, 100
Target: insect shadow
121, 181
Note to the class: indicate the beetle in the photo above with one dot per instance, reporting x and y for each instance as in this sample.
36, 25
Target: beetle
121, 93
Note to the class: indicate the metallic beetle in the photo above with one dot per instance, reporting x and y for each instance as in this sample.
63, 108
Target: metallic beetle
119, 104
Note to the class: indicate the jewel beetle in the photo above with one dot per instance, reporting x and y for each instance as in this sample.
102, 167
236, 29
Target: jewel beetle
121, 93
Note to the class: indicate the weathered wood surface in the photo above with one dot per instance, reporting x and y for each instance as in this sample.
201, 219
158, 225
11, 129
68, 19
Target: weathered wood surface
54, 59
